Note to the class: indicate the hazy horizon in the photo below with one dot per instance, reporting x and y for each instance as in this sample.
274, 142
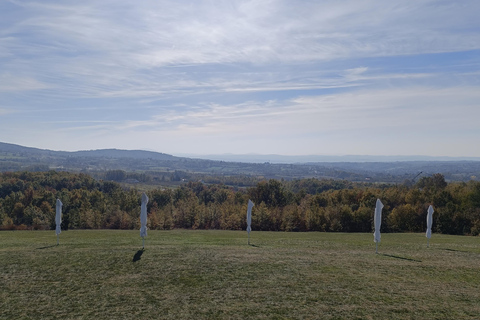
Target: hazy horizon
283, 158
349, 77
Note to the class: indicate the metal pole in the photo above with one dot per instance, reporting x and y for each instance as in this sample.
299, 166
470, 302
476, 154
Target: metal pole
376, 247
428, 244
248, 238
143, 243
57, 240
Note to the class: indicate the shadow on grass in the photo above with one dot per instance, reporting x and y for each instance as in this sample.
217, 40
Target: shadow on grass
53, 245
455, 250
254, 245
398, 257
138, 255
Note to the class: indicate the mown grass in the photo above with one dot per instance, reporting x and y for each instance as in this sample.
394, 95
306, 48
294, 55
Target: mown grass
182, 274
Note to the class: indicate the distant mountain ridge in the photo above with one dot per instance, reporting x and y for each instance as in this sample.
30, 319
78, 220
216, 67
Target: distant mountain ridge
354, 168
9, 147
108, 153
245, 158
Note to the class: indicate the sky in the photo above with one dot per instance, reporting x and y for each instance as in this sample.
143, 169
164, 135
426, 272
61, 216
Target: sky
343, 77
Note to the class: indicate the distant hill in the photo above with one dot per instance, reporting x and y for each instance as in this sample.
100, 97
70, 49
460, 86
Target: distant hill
116, 153
15, 158
109, 153
8, 147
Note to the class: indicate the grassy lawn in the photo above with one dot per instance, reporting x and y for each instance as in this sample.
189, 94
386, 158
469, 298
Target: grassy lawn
103, 274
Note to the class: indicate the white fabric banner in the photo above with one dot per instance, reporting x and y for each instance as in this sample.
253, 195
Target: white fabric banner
377, 220
58, 217
429, 222
143, 216
249, 216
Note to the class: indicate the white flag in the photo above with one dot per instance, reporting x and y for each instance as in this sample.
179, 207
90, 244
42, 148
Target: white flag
249, 216
143, 216
429, 221
58, 217
377, 220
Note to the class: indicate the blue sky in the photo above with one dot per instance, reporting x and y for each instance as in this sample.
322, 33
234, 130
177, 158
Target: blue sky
351, 77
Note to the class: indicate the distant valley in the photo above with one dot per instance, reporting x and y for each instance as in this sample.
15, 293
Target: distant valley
159, 168
275, 158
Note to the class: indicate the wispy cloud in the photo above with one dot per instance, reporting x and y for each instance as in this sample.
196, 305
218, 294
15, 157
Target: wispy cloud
108, 45
10, 83
5, 111
416, 109
227, 71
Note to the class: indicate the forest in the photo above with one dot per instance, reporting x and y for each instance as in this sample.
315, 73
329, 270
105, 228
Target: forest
27, 201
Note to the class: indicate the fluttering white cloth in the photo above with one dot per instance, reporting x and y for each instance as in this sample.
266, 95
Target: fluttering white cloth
429, 221
143, 216
58, 217
249, 216
377, 220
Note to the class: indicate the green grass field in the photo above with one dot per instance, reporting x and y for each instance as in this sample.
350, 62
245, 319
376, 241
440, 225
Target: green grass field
182, 274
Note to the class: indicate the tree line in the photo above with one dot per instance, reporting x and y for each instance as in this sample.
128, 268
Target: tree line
27, 201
